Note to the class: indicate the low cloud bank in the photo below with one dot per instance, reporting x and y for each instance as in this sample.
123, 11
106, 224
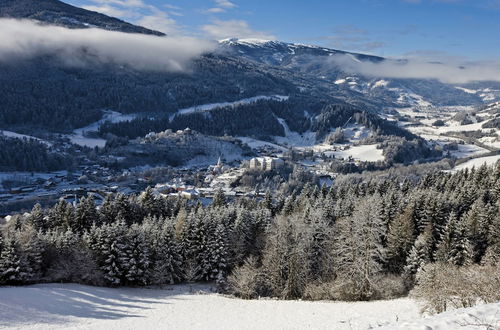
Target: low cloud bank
452, 71
24, 39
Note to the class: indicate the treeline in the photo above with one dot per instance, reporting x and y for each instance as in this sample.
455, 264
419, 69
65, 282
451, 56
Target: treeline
362, 239
30, 155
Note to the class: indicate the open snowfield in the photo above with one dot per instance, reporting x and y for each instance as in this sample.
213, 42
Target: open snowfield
78, 137
478, 162
367, 153
72, 306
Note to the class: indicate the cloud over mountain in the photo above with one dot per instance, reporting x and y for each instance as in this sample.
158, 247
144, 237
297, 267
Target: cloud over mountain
452, 71
24, 39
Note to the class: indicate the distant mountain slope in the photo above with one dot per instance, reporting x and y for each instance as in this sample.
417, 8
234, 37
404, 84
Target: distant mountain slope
59, 13
319, 63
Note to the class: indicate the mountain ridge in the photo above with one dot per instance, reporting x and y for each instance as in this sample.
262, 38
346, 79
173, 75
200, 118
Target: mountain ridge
60, 13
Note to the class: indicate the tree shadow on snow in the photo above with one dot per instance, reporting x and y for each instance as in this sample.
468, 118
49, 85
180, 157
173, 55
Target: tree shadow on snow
54, 303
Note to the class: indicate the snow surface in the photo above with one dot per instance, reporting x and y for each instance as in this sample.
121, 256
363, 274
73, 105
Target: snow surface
78, 136
482, 317
212, 106
478, 162
295, 139
259, 144
367, 153
22, 136
72, 306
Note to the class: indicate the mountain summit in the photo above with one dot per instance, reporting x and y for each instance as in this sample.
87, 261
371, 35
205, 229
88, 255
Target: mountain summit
62, 14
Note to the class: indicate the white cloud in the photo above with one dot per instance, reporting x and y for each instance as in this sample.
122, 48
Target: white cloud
225, 4
453, 71
215, 10
23, 39
160, 21
107, 10
219, 29
221, 6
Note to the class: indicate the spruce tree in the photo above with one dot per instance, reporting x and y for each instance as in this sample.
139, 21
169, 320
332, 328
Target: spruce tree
10, 263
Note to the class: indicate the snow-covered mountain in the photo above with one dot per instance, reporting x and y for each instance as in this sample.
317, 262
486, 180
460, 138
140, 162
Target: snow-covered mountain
324, 67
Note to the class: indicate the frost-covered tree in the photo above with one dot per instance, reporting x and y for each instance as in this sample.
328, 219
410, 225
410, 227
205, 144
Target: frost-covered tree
10, 263
420, 253
136, 259
167, 256
358, 249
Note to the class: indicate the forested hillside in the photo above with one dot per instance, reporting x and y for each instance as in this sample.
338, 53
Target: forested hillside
72, 97
30, 155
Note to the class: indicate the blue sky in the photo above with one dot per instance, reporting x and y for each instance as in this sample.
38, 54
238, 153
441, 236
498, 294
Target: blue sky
422, 28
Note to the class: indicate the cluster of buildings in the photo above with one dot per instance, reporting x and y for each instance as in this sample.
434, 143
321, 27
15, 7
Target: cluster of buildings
266, 163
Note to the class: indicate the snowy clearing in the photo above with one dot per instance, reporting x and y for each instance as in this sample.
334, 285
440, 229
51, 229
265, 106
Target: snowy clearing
258, 144
72, 306
294, 139
78, 136
477, 162
211, 106
366, 153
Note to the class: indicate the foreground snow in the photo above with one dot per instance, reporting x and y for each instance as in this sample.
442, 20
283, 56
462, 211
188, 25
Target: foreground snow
484, 317
71, 306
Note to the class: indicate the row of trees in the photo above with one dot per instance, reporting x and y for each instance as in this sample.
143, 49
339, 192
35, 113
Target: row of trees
365, 238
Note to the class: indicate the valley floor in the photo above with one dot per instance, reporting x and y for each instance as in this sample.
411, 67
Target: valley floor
71, 306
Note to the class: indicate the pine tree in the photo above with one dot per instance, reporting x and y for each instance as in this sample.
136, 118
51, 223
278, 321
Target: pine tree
167, 257
461, 253
420, 253
32, 249
37, 218
219, 199
112, 252
359, 253
85, 215
219, 255
136, 261
443, 249
400, 240
10, 263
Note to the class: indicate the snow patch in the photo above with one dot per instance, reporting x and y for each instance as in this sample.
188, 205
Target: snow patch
478, 162
78, 136
295, 139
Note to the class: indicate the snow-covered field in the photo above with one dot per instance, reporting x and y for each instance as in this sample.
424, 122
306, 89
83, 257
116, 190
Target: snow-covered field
78, 136
72, 306
477, 162
368, 153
